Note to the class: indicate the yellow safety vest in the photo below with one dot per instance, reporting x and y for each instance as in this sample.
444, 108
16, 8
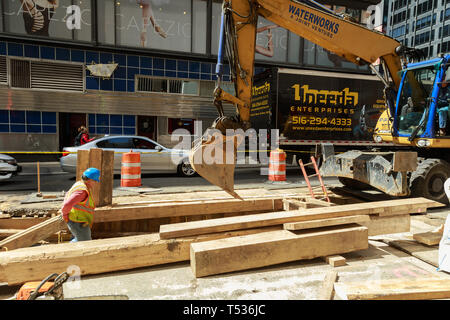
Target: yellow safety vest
82, 211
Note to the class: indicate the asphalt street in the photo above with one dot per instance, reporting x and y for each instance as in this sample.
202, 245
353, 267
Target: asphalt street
53, 179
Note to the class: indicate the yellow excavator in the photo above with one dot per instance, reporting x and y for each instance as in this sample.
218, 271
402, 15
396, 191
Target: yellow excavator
412, 94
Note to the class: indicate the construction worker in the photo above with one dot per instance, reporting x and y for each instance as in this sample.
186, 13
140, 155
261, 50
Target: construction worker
78, 207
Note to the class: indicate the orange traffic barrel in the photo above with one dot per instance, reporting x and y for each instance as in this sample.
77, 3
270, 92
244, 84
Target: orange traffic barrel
277, 165
131, 170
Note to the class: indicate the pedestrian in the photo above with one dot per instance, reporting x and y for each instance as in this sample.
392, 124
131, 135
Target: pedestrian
78, 207
82, 137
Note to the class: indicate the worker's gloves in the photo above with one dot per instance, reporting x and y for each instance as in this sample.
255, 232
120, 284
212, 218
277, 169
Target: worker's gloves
61, 216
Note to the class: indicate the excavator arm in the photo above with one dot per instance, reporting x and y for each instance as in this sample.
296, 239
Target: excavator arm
307, 19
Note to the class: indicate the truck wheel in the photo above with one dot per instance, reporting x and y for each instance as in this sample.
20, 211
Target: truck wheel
428, 180
354, 184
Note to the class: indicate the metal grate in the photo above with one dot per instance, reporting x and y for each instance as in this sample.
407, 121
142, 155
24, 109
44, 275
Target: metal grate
57, 76
188, 87
175, 86
3, 70
20, 73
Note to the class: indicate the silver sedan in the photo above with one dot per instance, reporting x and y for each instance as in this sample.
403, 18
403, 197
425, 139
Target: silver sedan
8, 167
155, 158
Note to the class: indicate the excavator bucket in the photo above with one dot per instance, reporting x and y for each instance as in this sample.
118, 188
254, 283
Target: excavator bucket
214, 158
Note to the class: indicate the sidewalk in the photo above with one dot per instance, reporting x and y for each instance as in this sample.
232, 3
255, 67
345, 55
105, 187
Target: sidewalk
45, 168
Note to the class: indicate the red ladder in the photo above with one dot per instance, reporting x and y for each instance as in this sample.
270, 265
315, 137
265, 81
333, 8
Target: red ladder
317, 174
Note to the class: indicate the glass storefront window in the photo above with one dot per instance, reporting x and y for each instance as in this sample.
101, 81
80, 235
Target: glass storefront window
215, 28
199, 11
294, 47
162, 25
62, 19
106, 22
271, 41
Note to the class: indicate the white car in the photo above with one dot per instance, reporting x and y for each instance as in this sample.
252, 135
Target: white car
8, 167
155, 158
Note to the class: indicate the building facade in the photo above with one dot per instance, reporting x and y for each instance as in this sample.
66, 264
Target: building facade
161, 58
422, 24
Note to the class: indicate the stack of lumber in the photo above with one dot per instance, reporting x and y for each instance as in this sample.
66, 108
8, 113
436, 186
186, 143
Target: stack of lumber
307, 234
255, 236
143, 218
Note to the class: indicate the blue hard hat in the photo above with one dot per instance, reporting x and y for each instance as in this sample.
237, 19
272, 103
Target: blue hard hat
92, 173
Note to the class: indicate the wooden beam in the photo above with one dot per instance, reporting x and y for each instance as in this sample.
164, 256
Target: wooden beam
82, 163
388, 224
402, 206
327, 290
149, 211
325, 222
106, 178
20, 223
416, 205
100, 256
293, 204
270, 248
428, 238
395, 289
33, 235
104, 161
4, 233
319, 203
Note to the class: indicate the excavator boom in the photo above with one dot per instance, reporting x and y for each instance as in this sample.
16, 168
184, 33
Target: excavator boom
307, 19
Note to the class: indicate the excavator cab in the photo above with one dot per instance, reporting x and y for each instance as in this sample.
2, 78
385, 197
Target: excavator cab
422, 103
414, 101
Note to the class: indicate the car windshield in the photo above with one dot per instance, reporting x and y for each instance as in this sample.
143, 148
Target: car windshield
414, 100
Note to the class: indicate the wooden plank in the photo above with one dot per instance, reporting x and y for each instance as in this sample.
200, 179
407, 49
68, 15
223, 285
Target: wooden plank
34, 234
388, 224
292, 204
95, 161
319, 203
106, 178
100, 256
108, 214
327, 289
325, 222
396, 289
417, 205
401, 206
271, 248
20, 223
428, 238
335, 261
82, 162
4, 233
